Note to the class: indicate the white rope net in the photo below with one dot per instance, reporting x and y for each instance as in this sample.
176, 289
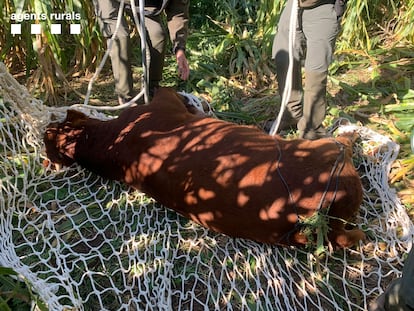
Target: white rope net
85, 243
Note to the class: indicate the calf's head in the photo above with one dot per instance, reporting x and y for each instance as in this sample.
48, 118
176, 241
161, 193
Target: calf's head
60, 138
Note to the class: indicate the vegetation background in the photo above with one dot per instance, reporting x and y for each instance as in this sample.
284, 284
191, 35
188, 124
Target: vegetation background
229, 50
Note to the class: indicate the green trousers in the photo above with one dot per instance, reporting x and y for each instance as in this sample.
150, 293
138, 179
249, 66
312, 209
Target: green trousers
107, 12
314, 44
399, 295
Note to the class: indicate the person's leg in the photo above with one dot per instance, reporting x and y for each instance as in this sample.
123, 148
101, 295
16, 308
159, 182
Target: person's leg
399, 295
320, 28
157, 39
408, 280
121, 67
280, 52
314, 106
107, 13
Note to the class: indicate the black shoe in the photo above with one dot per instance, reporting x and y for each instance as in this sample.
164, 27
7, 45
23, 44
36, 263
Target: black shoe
288, 125
314, 135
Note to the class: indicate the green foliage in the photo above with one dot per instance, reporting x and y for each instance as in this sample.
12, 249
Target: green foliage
315, 229
368, 25
49, 58
236, 34
247, 30
229, 51
16, 294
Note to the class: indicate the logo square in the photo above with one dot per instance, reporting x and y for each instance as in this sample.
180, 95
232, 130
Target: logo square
16, 29
75, 29
35, 29
56, 29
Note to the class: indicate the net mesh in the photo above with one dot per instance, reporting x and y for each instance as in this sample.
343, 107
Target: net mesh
85, 243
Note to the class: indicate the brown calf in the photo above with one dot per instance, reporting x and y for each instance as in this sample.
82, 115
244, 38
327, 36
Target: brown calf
229, 178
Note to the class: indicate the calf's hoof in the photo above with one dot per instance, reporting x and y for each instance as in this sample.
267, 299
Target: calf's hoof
347, 238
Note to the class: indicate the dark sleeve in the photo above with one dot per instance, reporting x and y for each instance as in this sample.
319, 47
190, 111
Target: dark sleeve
177, 12
340, 7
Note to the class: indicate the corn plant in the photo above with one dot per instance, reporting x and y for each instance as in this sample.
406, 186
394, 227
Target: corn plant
49, 58
368, 25
243, 47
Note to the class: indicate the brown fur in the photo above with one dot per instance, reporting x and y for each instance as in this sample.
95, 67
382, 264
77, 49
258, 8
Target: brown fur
229, 178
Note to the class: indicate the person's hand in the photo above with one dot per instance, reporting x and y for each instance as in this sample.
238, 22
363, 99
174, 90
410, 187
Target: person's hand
183, 68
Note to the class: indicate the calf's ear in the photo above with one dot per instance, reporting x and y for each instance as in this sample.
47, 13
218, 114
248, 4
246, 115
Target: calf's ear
74, 116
